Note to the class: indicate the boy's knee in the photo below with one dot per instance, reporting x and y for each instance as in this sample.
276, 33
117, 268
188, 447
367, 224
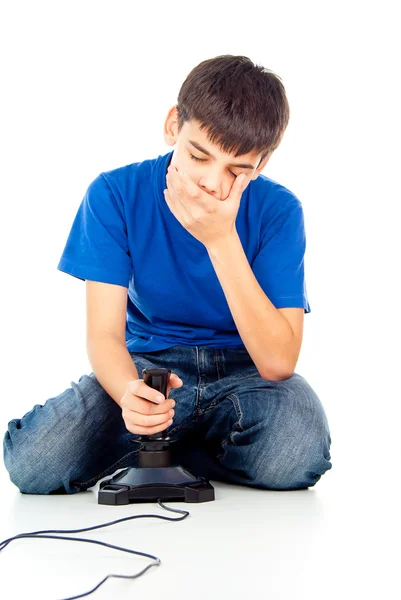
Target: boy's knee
29, 467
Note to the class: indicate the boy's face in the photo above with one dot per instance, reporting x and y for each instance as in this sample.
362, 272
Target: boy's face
215, 174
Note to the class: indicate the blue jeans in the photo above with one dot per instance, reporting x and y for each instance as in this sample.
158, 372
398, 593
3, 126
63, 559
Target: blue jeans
230, 425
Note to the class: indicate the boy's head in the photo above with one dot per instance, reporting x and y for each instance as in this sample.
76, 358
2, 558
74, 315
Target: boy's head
235, 111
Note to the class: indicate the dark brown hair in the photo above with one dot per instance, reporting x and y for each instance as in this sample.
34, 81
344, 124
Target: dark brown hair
242, 106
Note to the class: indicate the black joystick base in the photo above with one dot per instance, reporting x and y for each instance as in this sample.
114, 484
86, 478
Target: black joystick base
155, 478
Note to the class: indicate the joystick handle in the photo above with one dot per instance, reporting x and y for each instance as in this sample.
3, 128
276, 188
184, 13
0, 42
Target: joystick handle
158, 380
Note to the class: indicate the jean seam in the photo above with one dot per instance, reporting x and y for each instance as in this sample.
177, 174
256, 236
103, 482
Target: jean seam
216, 360
237, 426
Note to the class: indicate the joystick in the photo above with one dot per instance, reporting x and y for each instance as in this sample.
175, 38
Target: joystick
155, 477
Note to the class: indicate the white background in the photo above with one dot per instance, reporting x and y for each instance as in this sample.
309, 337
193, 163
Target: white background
86, 87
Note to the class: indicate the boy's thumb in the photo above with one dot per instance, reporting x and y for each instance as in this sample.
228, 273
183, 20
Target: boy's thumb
177, 379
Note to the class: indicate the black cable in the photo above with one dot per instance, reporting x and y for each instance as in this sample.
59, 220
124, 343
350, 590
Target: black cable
185, 514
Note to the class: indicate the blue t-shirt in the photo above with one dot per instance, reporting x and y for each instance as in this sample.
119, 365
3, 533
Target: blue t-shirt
125, 234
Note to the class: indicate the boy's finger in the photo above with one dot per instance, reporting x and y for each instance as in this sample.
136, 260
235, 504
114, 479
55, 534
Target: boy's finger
178, 382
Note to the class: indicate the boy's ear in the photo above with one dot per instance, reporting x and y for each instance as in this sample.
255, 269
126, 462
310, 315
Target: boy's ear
171, 126
261, 166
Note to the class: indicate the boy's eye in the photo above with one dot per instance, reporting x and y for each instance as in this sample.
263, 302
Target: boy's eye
203, 160
196, 158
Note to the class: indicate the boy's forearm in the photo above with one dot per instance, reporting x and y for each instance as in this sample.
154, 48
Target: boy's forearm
112, 364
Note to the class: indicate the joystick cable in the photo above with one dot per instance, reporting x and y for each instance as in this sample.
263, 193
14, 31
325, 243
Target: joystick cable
39, 534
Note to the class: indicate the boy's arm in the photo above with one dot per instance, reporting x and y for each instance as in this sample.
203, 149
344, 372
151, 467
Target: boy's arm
112, 364
271, 336
106, 309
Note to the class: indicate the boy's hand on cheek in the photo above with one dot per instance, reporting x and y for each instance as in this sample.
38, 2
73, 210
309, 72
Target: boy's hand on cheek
207, 219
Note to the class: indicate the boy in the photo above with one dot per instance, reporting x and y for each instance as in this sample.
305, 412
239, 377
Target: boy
193, 261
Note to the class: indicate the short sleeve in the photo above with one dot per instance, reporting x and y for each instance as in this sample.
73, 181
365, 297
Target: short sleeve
279, 265
97, 246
